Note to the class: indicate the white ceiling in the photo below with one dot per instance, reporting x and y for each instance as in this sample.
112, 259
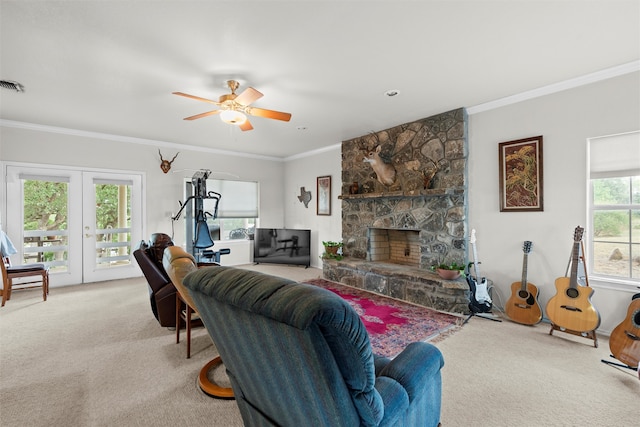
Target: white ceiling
110, 66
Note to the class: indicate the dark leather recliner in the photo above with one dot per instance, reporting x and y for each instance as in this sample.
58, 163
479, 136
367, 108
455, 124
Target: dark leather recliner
162, 292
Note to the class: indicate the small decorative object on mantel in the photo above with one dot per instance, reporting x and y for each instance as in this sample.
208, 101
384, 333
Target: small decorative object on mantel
428, 174
165, 165
448, 271
353, 189
304, 197
331, 250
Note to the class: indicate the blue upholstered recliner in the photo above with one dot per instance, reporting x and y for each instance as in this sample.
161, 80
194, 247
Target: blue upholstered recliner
298, 355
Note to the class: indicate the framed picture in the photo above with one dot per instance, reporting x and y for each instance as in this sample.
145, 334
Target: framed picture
324, 195
521, 175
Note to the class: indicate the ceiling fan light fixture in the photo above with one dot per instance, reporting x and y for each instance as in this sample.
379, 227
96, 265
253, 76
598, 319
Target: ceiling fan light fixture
233, 117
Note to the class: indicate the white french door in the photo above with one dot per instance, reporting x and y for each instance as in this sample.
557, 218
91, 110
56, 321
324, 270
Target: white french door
83, 224
109, 236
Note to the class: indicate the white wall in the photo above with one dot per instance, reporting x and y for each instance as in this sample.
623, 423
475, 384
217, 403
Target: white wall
565, 120
303, 172
163, 190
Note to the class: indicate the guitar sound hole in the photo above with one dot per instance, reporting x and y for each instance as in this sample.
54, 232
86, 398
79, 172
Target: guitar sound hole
523, 294
636, 319
572, 293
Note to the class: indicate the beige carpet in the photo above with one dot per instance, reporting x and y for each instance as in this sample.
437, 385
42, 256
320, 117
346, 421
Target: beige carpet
93, 355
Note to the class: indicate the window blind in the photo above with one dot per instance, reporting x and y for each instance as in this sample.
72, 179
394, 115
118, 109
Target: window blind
239, 199
615, 155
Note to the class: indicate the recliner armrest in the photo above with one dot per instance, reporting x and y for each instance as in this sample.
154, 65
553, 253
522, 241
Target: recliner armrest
394, 397
414, 367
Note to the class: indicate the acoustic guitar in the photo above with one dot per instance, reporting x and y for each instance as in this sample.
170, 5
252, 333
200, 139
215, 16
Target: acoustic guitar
523, 305
571, 308
624, 341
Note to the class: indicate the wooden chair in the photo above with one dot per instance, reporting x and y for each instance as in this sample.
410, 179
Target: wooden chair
26, 270
178, 263
185, 314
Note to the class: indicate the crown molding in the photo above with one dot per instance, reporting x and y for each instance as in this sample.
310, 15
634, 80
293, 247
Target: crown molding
130, 139
314, 152
608, 73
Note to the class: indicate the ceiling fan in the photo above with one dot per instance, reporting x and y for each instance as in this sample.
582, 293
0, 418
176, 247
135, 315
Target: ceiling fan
233, 108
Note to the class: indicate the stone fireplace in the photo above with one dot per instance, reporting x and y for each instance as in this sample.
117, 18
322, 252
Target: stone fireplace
404, 205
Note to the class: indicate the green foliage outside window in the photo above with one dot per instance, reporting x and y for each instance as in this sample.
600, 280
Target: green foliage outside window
45, 205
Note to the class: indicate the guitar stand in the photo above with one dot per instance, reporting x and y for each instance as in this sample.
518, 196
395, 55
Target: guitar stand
481, 317
610, 363
589, 334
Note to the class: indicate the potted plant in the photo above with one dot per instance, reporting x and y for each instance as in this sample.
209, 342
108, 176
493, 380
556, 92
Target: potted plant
448, 271
331, 250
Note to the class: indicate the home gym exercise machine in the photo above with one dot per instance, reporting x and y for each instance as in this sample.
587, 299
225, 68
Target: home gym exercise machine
198, 235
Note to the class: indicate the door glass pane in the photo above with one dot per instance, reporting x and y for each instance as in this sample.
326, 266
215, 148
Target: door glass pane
45, 223
113, 224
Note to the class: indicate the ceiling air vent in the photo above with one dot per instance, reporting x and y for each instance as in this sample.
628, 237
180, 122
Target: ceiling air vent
8, 84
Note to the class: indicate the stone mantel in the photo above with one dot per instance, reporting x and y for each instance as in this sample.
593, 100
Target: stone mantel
413, 193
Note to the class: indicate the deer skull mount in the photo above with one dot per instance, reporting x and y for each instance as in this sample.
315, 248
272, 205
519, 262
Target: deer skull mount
165, 165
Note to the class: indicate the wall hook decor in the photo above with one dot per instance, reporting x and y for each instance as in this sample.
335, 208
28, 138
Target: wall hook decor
304, 197
165, 165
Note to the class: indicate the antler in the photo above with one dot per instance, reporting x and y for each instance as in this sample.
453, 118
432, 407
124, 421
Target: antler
165, 165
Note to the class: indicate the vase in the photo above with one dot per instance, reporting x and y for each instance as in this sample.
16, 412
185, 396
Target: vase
448, 274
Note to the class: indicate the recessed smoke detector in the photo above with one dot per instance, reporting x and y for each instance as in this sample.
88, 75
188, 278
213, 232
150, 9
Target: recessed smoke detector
9, 84
392, 92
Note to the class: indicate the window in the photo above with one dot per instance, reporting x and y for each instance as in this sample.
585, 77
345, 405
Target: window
232, 228
614, 209
237, 209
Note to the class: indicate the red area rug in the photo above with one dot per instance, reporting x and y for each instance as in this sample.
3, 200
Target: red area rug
393, 324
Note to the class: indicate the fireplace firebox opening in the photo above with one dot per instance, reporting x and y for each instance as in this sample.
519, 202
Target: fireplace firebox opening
395, 246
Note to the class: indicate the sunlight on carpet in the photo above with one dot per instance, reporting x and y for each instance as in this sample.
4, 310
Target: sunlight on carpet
393, 324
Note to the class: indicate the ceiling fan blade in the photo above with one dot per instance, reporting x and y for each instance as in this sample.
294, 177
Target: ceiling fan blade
248, 96
269, 114
246, 126
201, 115
197, 98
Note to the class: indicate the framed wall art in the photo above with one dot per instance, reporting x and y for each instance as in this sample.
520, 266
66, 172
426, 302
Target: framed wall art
521, 175
324, 195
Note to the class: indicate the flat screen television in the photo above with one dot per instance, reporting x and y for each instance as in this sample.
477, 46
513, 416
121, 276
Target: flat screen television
282, 246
